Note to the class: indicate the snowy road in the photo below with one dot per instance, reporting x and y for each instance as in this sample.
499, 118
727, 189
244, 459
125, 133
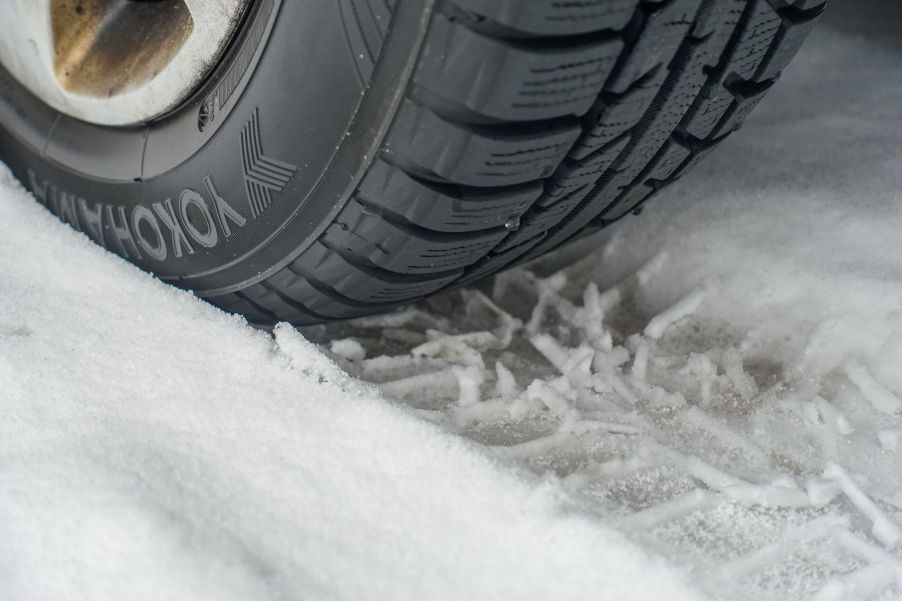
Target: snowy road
708, 405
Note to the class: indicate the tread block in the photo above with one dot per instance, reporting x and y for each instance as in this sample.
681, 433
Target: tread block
238, 303
575, 174
668, 160
715, 101
554, 17
542, 218
719, 20
806, 4
513, 81
756, 35
486, 156
697, 156
602, 196
627, 203
498, 261
364, 283
617, 115
664, 31
786, 44
318, 297
444, 208
403, 249
739, 109
265, 296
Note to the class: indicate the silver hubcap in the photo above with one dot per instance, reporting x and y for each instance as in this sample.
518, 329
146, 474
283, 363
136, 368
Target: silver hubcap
114, 62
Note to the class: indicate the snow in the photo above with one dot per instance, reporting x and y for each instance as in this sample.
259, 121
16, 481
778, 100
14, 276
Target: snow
875, 393
884, 529
682, 309
153, 447
704, 404
348, 348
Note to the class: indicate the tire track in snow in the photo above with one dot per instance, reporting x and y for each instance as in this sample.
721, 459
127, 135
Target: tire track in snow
655, 427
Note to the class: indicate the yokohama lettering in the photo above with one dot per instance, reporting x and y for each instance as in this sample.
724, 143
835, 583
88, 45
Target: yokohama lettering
172, 227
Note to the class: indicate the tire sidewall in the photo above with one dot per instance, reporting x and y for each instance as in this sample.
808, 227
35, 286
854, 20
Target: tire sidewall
222, 190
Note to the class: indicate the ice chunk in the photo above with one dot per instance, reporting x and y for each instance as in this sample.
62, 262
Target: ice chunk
348, 348
683, 308
873, 391
884, 529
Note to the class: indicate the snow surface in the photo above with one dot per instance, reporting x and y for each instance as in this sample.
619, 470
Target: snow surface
705, 406
153, 447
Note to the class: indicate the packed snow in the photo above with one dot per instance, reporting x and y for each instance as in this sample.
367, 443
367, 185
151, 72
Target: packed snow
707, 403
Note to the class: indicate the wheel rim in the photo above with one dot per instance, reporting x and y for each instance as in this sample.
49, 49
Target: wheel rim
115, 62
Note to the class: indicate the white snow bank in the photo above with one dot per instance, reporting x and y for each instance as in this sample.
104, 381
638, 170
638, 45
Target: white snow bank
152, 447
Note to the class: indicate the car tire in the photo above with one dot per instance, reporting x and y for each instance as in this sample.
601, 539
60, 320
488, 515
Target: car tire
347, 157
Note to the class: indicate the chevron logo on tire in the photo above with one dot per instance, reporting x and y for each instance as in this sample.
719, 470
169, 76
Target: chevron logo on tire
263, 176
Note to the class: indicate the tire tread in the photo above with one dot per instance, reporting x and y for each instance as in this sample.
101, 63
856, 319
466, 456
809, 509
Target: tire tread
525, 125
